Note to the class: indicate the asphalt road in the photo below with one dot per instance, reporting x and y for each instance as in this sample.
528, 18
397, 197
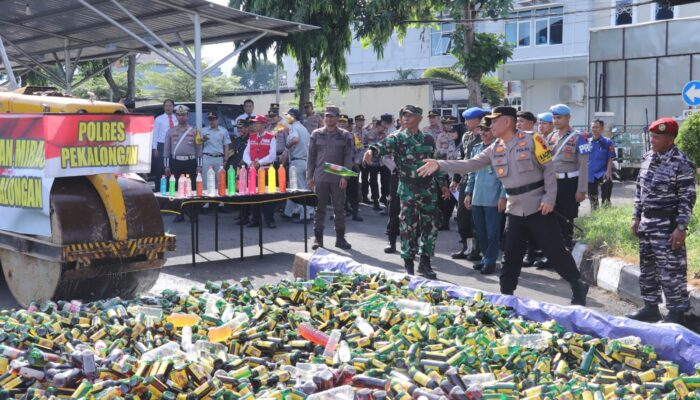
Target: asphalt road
368, 241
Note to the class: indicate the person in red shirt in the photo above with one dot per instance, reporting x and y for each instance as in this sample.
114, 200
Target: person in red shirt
260, 154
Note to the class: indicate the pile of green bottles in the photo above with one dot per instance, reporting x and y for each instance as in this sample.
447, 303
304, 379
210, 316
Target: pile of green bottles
340, 337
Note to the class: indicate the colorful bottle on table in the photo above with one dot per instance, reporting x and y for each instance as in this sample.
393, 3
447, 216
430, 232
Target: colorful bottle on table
282, 176
261, 180
171, 185
163, 185
293, 178
181, 186
271, 179
252, 180
243, 180
211, 182
200, 185
231, 180
222, 181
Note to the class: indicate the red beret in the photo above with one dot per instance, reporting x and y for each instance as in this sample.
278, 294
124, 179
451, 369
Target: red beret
664, 125
259, 118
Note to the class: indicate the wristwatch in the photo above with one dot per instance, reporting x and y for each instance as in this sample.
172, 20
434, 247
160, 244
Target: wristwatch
681, 227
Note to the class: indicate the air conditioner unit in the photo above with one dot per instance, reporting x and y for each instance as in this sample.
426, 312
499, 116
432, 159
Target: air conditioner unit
572, 92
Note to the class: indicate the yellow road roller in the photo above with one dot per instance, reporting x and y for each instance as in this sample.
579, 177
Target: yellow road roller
76, 221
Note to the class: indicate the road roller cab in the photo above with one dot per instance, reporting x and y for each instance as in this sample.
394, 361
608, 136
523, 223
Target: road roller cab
76, 221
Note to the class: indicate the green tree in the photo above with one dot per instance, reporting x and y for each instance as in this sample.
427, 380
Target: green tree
491, 87
179, 86
477, 54
260, 76
688, 139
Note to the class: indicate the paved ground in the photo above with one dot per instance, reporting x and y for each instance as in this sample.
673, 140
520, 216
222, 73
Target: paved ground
368, 241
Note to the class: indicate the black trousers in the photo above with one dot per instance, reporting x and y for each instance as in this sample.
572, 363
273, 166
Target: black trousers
567, 206
266, 209
446, 206
465, 224
605, 192
543, 230
385, 178
189, 167
394, 205
157, 164
353, 191
370, 181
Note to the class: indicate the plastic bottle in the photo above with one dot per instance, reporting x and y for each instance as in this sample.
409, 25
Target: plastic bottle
219, 334
211, 182
261, 180
332, 343
163, 185
537, 341
364, 326
188, 186
231, 180
222, 181
282, 177
252, 180
412, 306
344, 354
171, 185
181, 319
272, 179
243, 180
181, 186
164, 352
200, 185
313, 335
186, 340
293, 178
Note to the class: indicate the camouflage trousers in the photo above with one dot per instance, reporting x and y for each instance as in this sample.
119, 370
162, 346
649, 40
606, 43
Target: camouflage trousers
663, 269
418, 221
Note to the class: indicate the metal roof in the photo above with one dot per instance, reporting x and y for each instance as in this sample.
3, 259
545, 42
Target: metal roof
39, 29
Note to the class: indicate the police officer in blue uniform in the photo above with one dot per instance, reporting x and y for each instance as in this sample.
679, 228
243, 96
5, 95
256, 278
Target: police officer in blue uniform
663, 204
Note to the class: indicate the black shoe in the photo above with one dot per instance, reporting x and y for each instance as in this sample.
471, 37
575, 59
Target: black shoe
488, 269
474, 255
179, 218
271, 225
408, 266
478, 266
648, 313
253, 224
542, 263
365, 200
444, 227
460, 255
391, 247
245, 221
425, 269
376, 206
528, 261
675, 317
580, 290
356, 217
384, 212
340, 241
318, 240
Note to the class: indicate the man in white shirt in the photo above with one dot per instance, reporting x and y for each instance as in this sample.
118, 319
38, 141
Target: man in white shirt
248, 106
298, 148
161, 125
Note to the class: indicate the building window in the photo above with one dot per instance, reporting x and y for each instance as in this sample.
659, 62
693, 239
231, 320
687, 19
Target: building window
662, 12
543, 25
623, 12
441, 39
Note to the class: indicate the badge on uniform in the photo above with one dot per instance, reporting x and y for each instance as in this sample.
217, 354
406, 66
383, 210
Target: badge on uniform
542, 152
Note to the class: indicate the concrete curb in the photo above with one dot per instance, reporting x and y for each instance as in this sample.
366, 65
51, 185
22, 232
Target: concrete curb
616, 276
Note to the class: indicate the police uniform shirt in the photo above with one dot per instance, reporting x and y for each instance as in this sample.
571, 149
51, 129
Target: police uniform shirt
161, 125
301, 149
371, 137
312, 122
666, 182
235, 122
188, 145
570, 154
522, 161
217, 139
326, 146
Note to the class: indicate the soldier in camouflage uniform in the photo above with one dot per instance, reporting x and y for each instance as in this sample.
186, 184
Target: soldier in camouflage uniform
418, 195
663, 204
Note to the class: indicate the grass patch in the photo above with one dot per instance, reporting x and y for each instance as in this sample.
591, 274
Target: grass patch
607, 231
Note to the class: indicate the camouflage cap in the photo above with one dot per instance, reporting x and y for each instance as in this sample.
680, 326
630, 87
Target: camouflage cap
332, 110
411, 109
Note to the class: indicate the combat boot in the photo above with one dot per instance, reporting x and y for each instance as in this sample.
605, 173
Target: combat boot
425, 269
408, 265
376, 206
356, 216
340, 241
318, 240
675, 317
488, 269
648, 313
391, 247
462, 254
475, 253
580, 290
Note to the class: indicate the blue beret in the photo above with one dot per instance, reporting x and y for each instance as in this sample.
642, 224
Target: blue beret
474, 112
546, 117
560, 109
